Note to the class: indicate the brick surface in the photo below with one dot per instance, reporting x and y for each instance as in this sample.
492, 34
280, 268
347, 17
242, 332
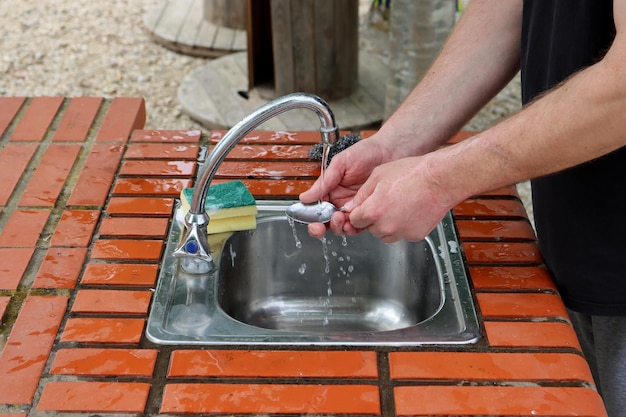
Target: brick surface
502, 253
94, 397
521, 306
495, 229
14, 263
9, 106
134, 227
60, 268
153, 168
4, 302
496, 400
300, 170
28, 346
130, 250
272, 137
45, 186
476, 366
531, 335
77, 119
164, 187
37, 119
176, 151
511, 278
140, 206
112, 302
270, 399
104, 362
481, 208
103, 330
272, 364
17, 156
170, 136
96, 177
127, 275
75, 228
123, 116
24, 228
270, 152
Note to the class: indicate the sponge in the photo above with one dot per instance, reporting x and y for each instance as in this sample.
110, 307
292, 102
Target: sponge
230, 207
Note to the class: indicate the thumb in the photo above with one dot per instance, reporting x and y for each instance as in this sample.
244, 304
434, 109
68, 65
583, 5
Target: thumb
322, 186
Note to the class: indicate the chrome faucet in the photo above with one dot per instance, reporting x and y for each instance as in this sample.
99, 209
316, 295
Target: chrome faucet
194, 249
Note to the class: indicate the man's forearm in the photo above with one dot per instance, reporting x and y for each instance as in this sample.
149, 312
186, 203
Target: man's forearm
479, 58
578, 121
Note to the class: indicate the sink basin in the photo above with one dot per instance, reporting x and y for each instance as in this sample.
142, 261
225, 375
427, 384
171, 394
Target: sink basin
276, 285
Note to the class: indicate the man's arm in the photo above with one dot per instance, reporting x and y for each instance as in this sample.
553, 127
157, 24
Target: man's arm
480, 57
578, 121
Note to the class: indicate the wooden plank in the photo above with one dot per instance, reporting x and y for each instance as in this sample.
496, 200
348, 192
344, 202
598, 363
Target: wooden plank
224, 38
206, 35
282, 41
173, 17
190, 26
346, 36
325, 46
302, 32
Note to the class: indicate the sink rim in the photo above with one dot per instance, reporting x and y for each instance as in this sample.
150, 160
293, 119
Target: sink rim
457, 311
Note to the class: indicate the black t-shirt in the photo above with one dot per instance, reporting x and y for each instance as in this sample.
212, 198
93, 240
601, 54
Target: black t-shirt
580, 213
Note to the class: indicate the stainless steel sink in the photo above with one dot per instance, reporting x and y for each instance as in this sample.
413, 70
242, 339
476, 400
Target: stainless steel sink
276, 285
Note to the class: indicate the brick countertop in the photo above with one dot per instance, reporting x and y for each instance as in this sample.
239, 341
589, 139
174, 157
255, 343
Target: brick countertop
85, 202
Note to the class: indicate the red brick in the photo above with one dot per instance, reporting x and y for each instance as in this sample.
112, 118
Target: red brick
270, 399
94, 397
154, 168
14, 263
24, 228
112, 302
498, 400
164, 187
531, 335
118, 249
502, 253
277, 188
274, 137
134, 227
133, 275
4, 302
478, 366
9, 106
78, 118
494, 230
140, 206
16, 157
511, 278
104, 362
37, 119
177, 151
28, 346
270, 152
485, 208
159, 136
272, 364
495, 305
96, 177
75, 228
60, 268
261, 170
103, 330
45, 186
123, 116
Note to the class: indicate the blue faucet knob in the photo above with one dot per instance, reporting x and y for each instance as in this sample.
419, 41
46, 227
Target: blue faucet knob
192, 246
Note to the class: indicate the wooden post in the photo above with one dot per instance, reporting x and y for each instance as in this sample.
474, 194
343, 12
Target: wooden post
418, 30
315, 44
226, 13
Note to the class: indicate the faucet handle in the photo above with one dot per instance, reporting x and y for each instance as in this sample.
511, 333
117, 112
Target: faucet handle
194, 257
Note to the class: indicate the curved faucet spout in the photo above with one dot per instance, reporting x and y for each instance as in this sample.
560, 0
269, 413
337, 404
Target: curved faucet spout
194, 246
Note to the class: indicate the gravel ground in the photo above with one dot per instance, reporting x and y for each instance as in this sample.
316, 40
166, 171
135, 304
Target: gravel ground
101, 48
